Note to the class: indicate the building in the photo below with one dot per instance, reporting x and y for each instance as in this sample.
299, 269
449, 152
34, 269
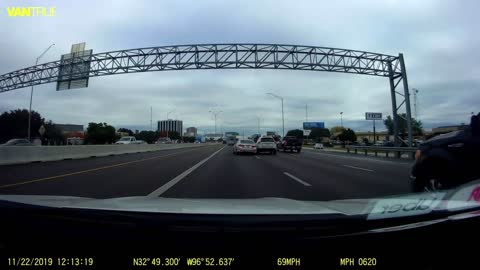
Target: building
170, 125
191, 132
380, 136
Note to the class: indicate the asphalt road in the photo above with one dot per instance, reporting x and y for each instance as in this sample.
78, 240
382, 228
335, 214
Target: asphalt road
212, 171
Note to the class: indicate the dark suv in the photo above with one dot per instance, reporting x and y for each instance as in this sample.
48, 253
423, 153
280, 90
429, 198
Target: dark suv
290, 143
448, 160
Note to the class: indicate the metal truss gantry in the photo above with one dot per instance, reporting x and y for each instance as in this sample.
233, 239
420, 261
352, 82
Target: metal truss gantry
227, 56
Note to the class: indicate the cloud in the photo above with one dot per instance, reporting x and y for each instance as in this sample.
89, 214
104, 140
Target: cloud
438, 38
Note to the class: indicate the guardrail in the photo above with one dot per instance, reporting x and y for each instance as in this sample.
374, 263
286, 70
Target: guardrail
26, 154
396, 151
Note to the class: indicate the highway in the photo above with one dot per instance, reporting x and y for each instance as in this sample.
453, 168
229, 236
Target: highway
212, 171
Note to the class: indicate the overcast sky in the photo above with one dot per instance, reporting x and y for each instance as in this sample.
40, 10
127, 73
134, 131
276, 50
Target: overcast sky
439, 40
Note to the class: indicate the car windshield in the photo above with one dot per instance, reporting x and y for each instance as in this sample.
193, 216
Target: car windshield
152, 99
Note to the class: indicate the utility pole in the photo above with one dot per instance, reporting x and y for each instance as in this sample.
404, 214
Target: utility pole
31, 94
258, 125
306, 112
168, 127
283, 118
415, 92
341, 119
215, 113
151, 118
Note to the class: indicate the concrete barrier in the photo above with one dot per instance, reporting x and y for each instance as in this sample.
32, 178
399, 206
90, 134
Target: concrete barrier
26, 154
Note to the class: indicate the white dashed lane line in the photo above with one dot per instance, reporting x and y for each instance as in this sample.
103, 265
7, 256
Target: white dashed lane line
179, 177
297, 179
358, 168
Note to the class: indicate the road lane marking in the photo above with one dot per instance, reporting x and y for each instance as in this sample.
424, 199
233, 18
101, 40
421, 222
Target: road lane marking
92, 170
257, 157
358, 168
297, 179
178, 178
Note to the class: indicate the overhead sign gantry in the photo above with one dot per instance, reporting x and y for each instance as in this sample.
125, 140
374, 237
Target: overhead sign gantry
75, 69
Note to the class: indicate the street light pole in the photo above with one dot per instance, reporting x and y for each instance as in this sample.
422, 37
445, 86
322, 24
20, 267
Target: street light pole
306, 112
215, 113
167, 122
31, 94
258, 119
341, 119
283, 118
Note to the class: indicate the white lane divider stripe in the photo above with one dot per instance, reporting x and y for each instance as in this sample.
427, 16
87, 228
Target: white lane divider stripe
178, 178
358, 168
297, 179
257, 157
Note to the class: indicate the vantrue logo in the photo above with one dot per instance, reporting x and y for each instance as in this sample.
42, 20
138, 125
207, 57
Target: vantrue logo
31, 11
466, 197
475, 195
405, 206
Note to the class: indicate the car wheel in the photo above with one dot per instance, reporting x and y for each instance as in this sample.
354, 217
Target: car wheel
274, 152
299, 150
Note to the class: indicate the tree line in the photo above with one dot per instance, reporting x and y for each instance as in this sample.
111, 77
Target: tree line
348, 135
14, 125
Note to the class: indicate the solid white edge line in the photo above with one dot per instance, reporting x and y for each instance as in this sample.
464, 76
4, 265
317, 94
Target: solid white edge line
178, 178
358, 168
297, 179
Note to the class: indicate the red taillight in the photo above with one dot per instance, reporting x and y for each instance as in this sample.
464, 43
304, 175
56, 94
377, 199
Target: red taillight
241, 145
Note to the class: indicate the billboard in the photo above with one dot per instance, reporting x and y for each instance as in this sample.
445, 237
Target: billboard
373, 116
310, 125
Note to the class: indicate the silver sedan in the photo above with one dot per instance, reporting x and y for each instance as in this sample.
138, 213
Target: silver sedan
244, 146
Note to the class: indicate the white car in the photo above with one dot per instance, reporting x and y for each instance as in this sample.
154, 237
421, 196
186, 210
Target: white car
163, 140
127, 140
244, 146
318, 146
266, 144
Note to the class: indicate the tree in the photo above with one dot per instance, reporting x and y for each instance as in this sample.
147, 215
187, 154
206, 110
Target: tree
130, 132
335, 131
347, 135
173, 135
417, 126
318, 133
14, 124
189, 139
52, 135
100, 133
296, 133
147, 136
